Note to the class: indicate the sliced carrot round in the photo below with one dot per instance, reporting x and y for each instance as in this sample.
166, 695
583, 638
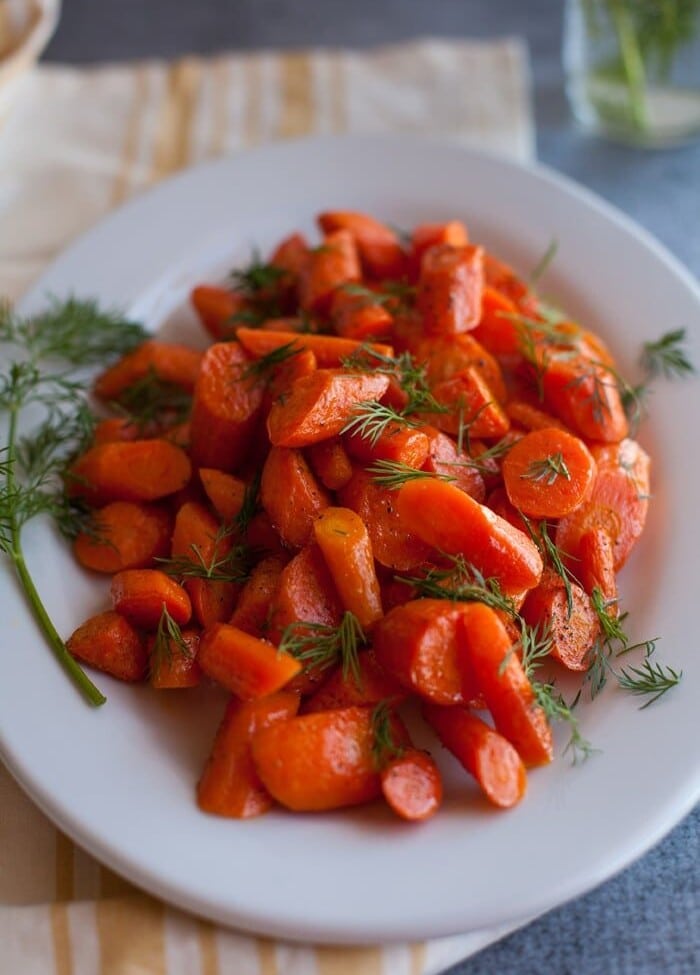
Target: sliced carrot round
548, 473
412, 786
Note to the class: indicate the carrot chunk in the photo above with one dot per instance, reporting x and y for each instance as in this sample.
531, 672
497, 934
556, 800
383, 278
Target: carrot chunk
548, 473
248, 667
170, 363
342, 537
110, 643
225, 492
329, 350
379, 247
141, 595
253, 609
125, 536
217, 309
139, 470
572, 633
412, 785
330, 463
306, 593
291, 496
173, 664
343, 690
335, 263
450, 287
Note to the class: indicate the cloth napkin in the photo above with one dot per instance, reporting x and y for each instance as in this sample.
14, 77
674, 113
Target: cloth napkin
77, 143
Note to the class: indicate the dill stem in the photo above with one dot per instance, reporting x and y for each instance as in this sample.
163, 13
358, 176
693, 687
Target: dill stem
90, 692
632, 63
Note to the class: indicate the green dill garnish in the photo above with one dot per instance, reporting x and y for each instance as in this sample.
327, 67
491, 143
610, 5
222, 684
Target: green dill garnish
547, 469
410, 376
151, 401
259, 276
666, 357
250, 506
393, 474
384, 747
168, 643
227, 563
319, 646
552, 556
371, 419
652, 680
461, 582
543, 263
266, 363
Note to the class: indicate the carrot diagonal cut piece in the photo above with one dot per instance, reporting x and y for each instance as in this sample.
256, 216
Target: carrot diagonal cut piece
142, 595
412, 785
248, 667
379, 247
343, 539
330, 350
136, 470
291, 495
450, 288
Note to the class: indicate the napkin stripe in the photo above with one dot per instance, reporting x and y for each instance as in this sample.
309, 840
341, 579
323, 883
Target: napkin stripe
209, 955
131, 136
331, 960
267, 959
220, 71
65, 852
63, 956
253, 102
131, 929
172, 143
297, 109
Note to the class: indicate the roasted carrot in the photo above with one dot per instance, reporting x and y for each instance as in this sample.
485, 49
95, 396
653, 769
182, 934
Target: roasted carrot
483, 752
412, 785
343, 690
143, 595
357, 316
393, 544
289, 256
124, 536
305, 593
486, 656
585, 396
417, 644
173, 663
225, 492
428, 235
497, 329
110, 643
330, 463
116, 429
379, 247
397, 442
138, 470
446, 356
319, 406
572, 633
499, 502
282, 378
444, 459
548, 473
531, 417
319, 761
342, 537
503, 278
329, 350
217, 309
170, 363
470, 404
450, 287
198, 540
468, 528
248, 667
334, 263
253, 608
291, 495
596, 566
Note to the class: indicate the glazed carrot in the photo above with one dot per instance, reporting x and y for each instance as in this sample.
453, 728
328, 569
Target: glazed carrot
397, 442
261, 535
446, 356
586, 398
138, 470
110, 643
197, 539
342, 537
291, 495
470, 402
483, 752
428, 235
572, 634
330, 463
596, 566
530, 417
226, 408
548, 473
394, 546
171, 363
174, 666
444, 459
499, 502
248, 667
225, 492
229, 785
142, 595
290, 254
501, 276
319, 761
281, 381
217, 309
359, 317
114, 430
418, 645
618, 503
412, 785
306, 593
485, 656
329, 350
342, 690
497, 330
449, 288
125, 536
379, 247
251, 613
334, 263
467, 528
319, 406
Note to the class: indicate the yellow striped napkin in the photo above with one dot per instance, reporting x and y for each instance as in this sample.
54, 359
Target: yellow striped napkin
76, 144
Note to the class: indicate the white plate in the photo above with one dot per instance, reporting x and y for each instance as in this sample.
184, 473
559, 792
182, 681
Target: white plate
120, 780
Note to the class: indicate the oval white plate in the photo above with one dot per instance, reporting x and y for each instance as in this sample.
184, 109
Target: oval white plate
120, 780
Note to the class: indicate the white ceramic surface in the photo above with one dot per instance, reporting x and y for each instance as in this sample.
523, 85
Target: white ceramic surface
120, 780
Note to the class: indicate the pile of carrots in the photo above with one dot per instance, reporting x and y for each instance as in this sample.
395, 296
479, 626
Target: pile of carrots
390, 463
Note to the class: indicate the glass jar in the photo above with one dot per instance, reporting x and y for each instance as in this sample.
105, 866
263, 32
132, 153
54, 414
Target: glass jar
633, 68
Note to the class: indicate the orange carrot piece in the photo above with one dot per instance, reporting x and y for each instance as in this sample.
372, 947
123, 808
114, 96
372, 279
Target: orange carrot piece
225, 492
125, 536
291, 496
291, 254
329, 350
465, 527
342, 690
319, 761
394, 546
114, 430
217, 309
251, 613
306, 593
171, 363
450, 287
359, 317
110, 643
319, 406
195, 538
229, 785
248, 667
417, 643
485, 754
596, 566
499, 502
572, 634
342, 537
142, 595
137, 470
412, 785
485, 655
281, 382
428, 235
548, 473
444, 459
261, 535
503, 278
379, 247
497, 331
471, 402
226, 408
330, 463
171, 668
586, 397
530, 417
328, 267
447, 356
397, 443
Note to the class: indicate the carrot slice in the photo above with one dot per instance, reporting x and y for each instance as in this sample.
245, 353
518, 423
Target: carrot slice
470, 402
217, 309
465, 527
450, 287
485, 754
253, 609
342, 537
530, 417
291, 496
548, 473
335, 263
141, 595
344, 690
329, 350
444, 459
319, 761
447, 356
572, 634
330, 463
427, 235
248, 667
125, 536
110, 643
306, 593
229, 785
412, 785
225, 492
486, 657
379, 247
196, 538
139, 470
171, 363
397, 443
116, 429
586, 397
173, 667
497, 330
596, 566
359, 317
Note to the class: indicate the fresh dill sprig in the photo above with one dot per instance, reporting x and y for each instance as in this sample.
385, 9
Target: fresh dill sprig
250, 506
168, 642
393, 474
552, 556
410, 376
266, 363
319, 646
259, 276
480, 462
152, 401
460, 582
225, 564
547, 469
385, 748
649, 680
666, 357
41, 361
543, 263
370, 419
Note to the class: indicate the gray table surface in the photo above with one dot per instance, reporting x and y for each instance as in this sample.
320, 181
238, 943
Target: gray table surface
645, 921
